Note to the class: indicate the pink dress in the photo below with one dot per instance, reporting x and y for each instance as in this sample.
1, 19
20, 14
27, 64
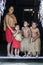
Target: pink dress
16, 41
15, 44
9, 34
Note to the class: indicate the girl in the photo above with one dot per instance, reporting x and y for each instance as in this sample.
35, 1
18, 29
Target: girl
35, 40
17, 37
25, 44
9, 24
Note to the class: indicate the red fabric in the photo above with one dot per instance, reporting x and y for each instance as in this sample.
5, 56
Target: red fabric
9, 34
15, 43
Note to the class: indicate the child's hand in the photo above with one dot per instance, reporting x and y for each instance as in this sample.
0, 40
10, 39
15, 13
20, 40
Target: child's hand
33, 39
13, 32
13, 35
17, 32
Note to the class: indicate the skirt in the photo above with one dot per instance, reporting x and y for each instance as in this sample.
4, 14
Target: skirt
9, 34
35, 46
15, 44
25, 44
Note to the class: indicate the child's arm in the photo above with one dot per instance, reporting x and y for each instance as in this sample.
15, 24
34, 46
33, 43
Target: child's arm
21, 34
15, 33
29, 33
38, 35
22, 31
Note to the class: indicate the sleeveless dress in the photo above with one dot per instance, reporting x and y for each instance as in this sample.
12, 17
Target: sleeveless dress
16, 41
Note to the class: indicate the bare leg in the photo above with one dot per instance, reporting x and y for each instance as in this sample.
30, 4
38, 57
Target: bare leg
8, 48
15, 52
37, 54
18, 52
25, 54
12, 51
28, 54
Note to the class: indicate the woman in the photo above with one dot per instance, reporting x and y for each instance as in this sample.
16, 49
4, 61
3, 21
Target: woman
9, 24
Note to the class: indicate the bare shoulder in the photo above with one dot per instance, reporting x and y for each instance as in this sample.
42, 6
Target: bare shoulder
30, 27
6, 16
37, 29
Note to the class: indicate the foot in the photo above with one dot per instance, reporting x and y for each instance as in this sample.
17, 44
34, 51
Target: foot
24, 55
12, 55
8, 55
28, 55
36, 55
17, 56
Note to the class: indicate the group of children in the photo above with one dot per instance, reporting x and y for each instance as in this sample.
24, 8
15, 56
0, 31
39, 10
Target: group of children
26, 40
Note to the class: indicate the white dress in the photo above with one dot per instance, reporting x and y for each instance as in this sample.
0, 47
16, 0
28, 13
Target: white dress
35, 46
25, 44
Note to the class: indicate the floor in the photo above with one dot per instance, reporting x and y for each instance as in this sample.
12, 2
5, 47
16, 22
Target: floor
3, 63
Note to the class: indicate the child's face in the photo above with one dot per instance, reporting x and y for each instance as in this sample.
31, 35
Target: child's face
25, 23
11, 10
17, 27
34, 25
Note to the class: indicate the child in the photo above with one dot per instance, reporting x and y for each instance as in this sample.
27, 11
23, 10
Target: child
17, 37
35, 40
25, 44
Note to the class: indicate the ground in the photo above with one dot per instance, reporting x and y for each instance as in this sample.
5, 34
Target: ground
3, 63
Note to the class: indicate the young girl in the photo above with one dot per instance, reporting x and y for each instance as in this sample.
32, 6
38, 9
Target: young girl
35, 40
9, 24
25, 44
17, 37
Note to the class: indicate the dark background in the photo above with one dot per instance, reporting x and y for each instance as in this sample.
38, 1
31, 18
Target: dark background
19, 6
